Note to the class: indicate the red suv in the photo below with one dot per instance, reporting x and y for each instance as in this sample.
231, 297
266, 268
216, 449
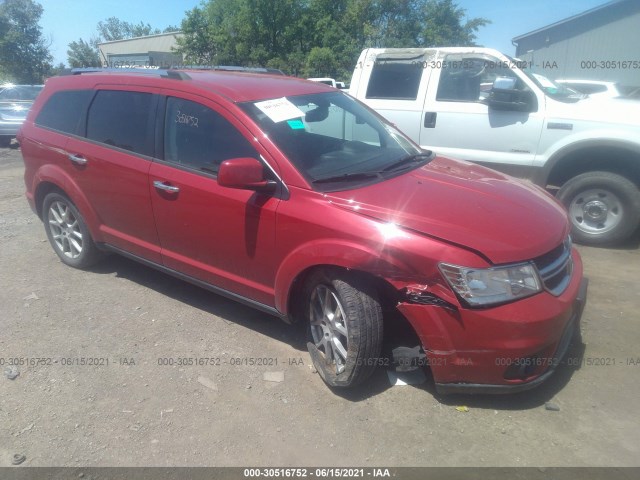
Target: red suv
295, 198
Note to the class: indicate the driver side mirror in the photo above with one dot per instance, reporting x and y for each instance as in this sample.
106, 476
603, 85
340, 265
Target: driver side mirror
505, 96
246, 174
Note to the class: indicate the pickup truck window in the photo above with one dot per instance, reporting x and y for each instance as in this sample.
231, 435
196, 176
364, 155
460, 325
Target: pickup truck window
469, 79
395, 78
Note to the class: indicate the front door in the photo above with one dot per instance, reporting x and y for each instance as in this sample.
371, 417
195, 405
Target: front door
459, 124
219, 235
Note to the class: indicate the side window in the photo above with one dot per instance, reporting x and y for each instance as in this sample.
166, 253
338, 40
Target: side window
395, 79
122, 119
196, 136
470, 79
64, 110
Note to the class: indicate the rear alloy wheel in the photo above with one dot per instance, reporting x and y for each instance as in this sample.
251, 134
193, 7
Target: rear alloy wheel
345, 327
68, 233
604, 208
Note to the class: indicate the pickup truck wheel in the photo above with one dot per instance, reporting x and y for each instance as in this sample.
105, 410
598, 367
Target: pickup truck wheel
604, 208
68, 233
344, 327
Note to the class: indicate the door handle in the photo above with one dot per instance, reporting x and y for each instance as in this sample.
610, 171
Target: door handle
77, 159
430, 119
163, 186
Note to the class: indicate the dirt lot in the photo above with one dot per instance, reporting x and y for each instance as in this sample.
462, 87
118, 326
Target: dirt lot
137, 412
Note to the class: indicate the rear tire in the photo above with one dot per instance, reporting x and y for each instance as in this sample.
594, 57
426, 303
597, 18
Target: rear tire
604, 208
345, 327
68, 233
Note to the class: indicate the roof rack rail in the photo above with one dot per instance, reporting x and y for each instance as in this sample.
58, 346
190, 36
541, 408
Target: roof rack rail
166, 73
232, 68
229, 68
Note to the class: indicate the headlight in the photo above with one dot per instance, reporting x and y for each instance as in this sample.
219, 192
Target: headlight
481, 287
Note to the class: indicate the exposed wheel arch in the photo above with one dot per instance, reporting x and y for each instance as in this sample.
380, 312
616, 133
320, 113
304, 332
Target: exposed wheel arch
618, 159
388, 294
44, 189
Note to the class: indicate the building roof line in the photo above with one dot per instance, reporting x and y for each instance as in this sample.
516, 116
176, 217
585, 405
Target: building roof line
142, 37
569, 19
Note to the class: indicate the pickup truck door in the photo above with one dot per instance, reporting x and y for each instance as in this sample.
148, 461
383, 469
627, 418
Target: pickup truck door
395, 84
457, 123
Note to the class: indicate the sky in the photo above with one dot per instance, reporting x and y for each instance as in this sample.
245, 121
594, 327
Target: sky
64, 21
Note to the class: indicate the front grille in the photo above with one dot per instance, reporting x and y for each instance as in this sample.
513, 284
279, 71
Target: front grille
555, 268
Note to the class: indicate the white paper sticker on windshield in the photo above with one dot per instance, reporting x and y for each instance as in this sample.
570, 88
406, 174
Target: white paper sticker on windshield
280, 109
544, 81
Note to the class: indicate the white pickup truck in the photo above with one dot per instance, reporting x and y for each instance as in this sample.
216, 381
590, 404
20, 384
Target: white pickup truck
479, 105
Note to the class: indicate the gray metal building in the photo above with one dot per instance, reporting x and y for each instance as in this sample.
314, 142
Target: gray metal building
599, 44
149, 51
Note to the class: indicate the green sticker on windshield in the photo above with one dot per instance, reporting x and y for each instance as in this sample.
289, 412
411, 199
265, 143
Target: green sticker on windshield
296, 124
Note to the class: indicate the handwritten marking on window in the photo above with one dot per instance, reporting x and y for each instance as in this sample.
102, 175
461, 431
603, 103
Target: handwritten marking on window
187, 120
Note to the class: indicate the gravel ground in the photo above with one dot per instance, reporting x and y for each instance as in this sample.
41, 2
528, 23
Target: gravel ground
130, 410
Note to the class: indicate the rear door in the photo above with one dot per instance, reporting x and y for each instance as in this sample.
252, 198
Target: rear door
394, 83
219, 235
111, 166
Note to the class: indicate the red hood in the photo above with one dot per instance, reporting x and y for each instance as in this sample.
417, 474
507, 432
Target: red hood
502, 218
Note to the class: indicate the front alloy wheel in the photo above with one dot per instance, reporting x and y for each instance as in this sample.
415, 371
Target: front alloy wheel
328, 326
344, 326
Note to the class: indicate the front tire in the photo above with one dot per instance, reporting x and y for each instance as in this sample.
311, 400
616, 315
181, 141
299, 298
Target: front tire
68, 233
345, 327
604, 208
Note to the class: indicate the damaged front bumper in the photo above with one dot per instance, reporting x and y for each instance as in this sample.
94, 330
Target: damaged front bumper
505, 349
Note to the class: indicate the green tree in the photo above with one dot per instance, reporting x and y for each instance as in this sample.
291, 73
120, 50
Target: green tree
82, 54
443, 25
58, 69
321, 62
241, 32
313, 37
115, 29
85, 54
24, 54
197, 45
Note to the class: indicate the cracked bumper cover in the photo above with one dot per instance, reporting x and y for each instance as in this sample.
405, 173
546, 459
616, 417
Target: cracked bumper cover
478, 350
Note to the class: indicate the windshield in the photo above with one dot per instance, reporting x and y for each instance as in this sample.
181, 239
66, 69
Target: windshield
334, 141
19, 92
552, 89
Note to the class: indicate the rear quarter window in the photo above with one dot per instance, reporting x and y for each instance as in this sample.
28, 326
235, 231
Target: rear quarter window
64, 110
395, 79
122, 119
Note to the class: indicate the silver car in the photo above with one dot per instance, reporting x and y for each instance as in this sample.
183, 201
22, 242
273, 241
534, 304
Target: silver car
15, 102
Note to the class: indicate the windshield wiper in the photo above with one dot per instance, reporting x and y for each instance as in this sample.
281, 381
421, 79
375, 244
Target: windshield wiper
404, 161
347, 177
